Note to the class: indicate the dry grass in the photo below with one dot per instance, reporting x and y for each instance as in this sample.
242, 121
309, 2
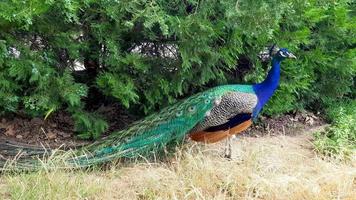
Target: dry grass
280, 167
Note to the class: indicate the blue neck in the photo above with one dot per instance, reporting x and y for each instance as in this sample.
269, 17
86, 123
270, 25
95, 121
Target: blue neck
266, 89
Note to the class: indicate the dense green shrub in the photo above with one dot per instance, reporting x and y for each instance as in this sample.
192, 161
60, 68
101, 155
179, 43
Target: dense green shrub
146, 54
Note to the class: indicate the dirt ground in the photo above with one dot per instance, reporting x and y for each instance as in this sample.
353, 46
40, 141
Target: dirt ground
58, 129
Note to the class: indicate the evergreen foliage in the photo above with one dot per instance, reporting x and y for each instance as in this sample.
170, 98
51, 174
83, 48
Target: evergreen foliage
148, 53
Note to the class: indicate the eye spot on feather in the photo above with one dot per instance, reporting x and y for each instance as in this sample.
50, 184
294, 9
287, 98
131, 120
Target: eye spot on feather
179, 113
191, 108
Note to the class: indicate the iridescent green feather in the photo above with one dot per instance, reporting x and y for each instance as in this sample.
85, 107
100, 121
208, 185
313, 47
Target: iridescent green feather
151, 134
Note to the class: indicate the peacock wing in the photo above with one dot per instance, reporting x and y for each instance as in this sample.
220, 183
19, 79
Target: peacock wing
233, 112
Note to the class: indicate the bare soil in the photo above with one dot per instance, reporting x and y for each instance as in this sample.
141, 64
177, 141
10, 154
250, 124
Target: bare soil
289, 124
58, 129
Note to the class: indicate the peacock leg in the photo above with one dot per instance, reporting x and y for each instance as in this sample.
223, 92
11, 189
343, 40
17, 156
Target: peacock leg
228, 148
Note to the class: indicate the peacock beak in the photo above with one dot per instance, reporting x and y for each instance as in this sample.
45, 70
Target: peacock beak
290, 55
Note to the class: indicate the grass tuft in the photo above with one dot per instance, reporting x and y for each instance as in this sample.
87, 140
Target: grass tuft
339, 140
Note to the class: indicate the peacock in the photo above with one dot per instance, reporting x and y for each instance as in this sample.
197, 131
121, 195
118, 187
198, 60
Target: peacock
210, 116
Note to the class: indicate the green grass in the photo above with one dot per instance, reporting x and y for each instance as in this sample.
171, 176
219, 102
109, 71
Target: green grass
339, 140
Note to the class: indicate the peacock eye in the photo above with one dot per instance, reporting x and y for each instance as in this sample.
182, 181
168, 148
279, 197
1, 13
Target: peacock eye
207, 101
179, 113
191, 108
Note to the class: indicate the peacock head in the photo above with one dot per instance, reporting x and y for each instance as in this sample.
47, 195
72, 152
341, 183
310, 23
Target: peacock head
276, 53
